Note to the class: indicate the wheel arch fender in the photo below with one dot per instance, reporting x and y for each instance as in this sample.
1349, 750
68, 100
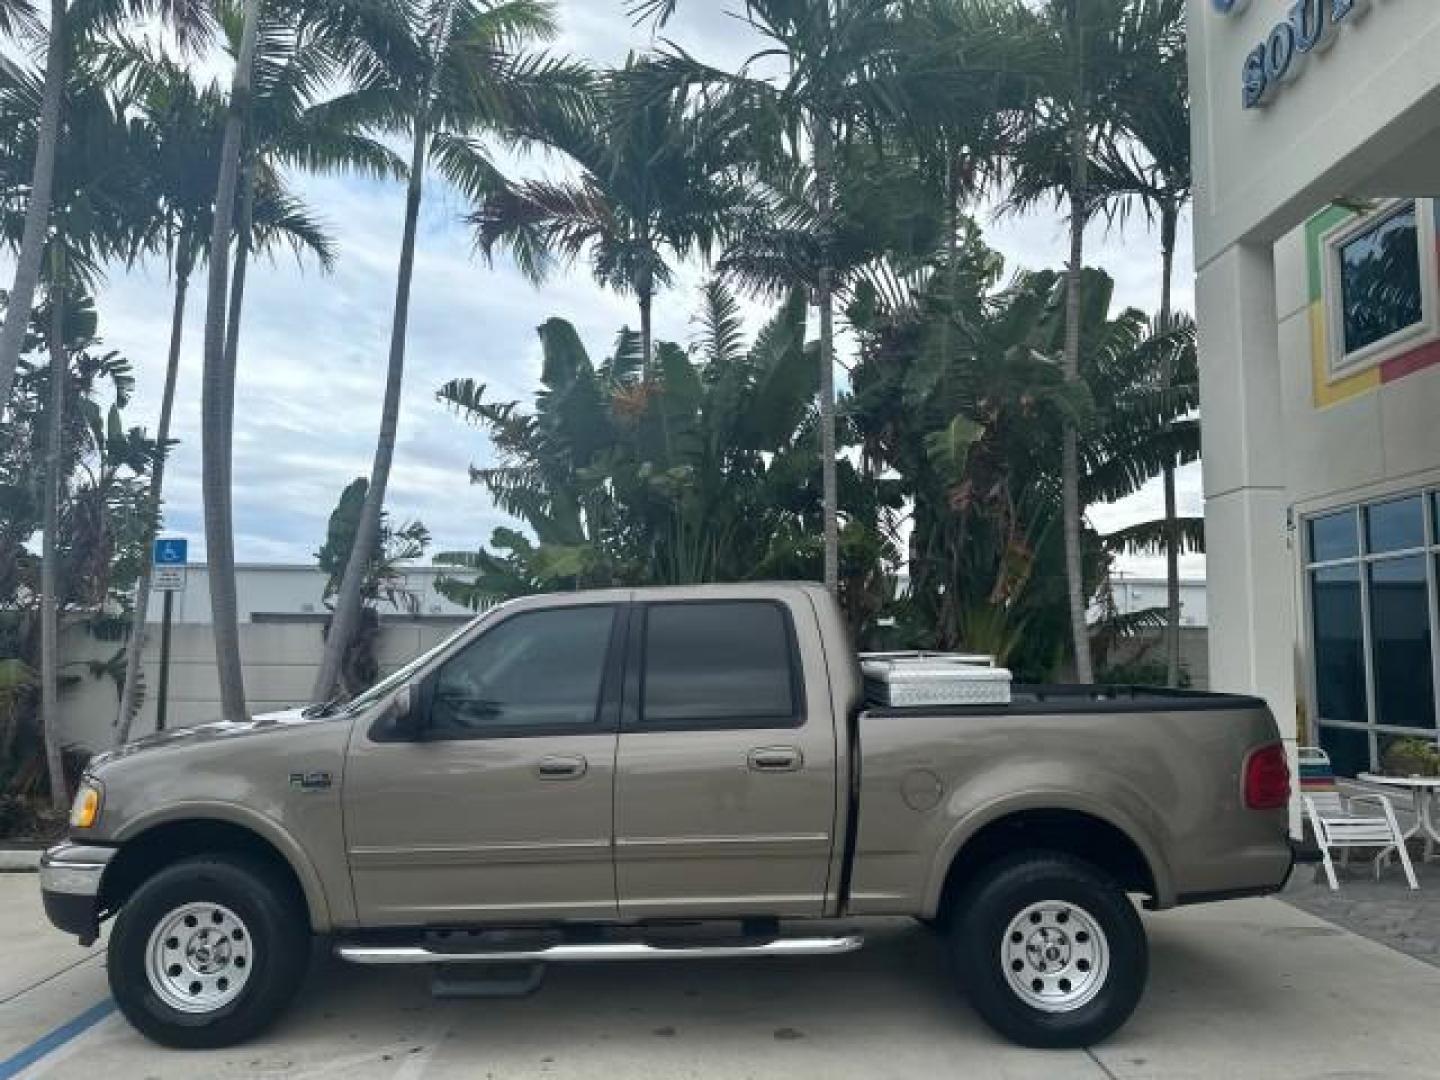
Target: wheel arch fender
1051, 815
232, 820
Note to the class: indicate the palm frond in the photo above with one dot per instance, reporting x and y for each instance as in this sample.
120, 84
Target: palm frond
466, 165
1151, 537
722, 330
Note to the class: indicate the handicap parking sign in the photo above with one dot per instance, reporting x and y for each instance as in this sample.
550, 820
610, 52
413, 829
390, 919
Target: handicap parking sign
170, 551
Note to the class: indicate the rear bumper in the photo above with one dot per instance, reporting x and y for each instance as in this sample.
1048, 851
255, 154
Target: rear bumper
1267, 889
70, 876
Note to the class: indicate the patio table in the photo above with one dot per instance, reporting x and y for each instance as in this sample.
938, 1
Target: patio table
1426, 793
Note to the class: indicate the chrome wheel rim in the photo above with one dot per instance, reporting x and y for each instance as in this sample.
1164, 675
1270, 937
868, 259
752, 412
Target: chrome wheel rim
199, 958
1055, 956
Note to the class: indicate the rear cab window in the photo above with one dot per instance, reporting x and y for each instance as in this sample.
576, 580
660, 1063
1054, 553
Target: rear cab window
718, 664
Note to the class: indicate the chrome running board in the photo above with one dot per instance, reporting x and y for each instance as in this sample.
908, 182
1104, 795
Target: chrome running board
607, 950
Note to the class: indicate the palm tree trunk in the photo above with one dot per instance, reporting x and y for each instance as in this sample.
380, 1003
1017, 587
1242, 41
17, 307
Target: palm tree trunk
647, 341
236, 306
37, 212
1070, 462
830, 497
215, 393
645, 292
1168, 223
346, 619
130, 693
50, 557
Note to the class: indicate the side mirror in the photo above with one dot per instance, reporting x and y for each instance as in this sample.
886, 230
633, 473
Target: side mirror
406, 717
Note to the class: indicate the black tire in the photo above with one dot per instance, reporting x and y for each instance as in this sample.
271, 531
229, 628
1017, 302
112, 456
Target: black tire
980, 938
278, 949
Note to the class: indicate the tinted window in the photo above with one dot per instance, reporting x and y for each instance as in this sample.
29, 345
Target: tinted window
539, 670
718, 663
1348, 748
1395, 526
1339, 644
1400, 637
1334, 537
1380, 280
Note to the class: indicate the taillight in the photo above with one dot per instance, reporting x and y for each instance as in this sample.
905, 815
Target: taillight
1267, 778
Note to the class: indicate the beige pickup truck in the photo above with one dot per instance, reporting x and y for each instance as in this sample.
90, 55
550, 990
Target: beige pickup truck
665, 774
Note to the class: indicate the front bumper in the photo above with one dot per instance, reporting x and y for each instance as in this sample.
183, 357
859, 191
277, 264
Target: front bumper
70, 876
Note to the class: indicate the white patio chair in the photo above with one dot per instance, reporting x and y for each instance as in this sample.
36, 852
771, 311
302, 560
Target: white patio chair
1338, 825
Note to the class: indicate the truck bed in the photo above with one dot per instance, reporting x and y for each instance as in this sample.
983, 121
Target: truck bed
1162, 767
1037, 699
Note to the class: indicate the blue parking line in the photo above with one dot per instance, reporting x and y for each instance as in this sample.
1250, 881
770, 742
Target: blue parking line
47, 1044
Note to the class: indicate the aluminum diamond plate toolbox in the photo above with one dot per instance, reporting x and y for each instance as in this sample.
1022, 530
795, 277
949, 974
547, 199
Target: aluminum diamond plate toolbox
924, 678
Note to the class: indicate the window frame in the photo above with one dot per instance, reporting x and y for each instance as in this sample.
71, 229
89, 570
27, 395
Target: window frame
607, 704
1342, 363
1363, 560
633, 714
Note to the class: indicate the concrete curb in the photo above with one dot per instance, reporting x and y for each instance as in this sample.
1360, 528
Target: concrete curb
19, 861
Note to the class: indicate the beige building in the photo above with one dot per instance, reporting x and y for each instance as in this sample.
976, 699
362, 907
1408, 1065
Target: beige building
1317, 162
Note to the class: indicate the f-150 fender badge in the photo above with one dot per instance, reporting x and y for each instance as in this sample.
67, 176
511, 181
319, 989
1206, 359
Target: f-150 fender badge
310, 781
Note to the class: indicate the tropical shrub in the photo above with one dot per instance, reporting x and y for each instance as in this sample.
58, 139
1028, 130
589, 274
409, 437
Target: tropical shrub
701, 468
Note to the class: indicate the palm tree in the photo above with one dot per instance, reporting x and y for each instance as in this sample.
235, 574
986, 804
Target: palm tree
189, 19
300, 47
96, 173
1150, 159
215, 387
1094, 47
650, 192
184, 122
464, 72
182, 118
50, 550
844, 75
37, 212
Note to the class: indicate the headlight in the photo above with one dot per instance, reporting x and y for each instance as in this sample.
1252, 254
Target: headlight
85, 810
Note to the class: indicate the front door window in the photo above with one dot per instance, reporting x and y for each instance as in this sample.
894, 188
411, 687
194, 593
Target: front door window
535, 673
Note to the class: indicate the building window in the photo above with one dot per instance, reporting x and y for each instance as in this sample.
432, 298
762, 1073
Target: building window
1380, 285
1374, 605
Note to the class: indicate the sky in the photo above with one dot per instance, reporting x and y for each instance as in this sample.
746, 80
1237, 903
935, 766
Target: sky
314, 346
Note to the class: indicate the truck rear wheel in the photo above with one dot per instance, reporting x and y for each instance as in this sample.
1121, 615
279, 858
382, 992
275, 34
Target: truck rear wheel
1050, 950
208, 952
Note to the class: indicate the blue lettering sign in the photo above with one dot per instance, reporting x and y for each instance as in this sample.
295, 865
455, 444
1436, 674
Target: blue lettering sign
1253, 80
1310, 26
1280, 54
1308, 18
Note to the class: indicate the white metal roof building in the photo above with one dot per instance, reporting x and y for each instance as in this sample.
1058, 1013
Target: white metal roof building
273, 591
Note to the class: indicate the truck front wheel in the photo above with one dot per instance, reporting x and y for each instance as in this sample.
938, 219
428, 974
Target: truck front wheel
208, 952
1050, 950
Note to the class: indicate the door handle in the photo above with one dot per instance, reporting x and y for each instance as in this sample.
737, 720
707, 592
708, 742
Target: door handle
561, 767
776, 759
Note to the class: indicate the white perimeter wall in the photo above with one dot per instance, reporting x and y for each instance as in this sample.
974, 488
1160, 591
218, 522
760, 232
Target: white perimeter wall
280, 660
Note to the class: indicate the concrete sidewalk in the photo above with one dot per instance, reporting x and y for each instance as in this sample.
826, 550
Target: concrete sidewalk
1382, 909
1253, 988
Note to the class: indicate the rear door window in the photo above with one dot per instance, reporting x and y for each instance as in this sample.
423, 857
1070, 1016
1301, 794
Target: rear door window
719, 664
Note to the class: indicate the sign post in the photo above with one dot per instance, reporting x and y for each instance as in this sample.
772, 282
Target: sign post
168, 576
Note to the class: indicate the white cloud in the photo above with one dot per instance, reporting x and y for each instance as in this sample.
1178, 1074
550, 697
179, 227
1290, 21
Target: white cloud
314, 348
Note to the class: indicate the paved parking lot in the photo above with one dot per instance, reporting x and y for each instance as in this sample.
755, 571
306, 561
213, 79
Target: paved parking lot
1247, 989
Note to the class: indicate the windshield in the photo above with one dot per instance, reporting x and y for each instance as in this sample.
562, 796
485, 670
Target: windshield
384, 686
